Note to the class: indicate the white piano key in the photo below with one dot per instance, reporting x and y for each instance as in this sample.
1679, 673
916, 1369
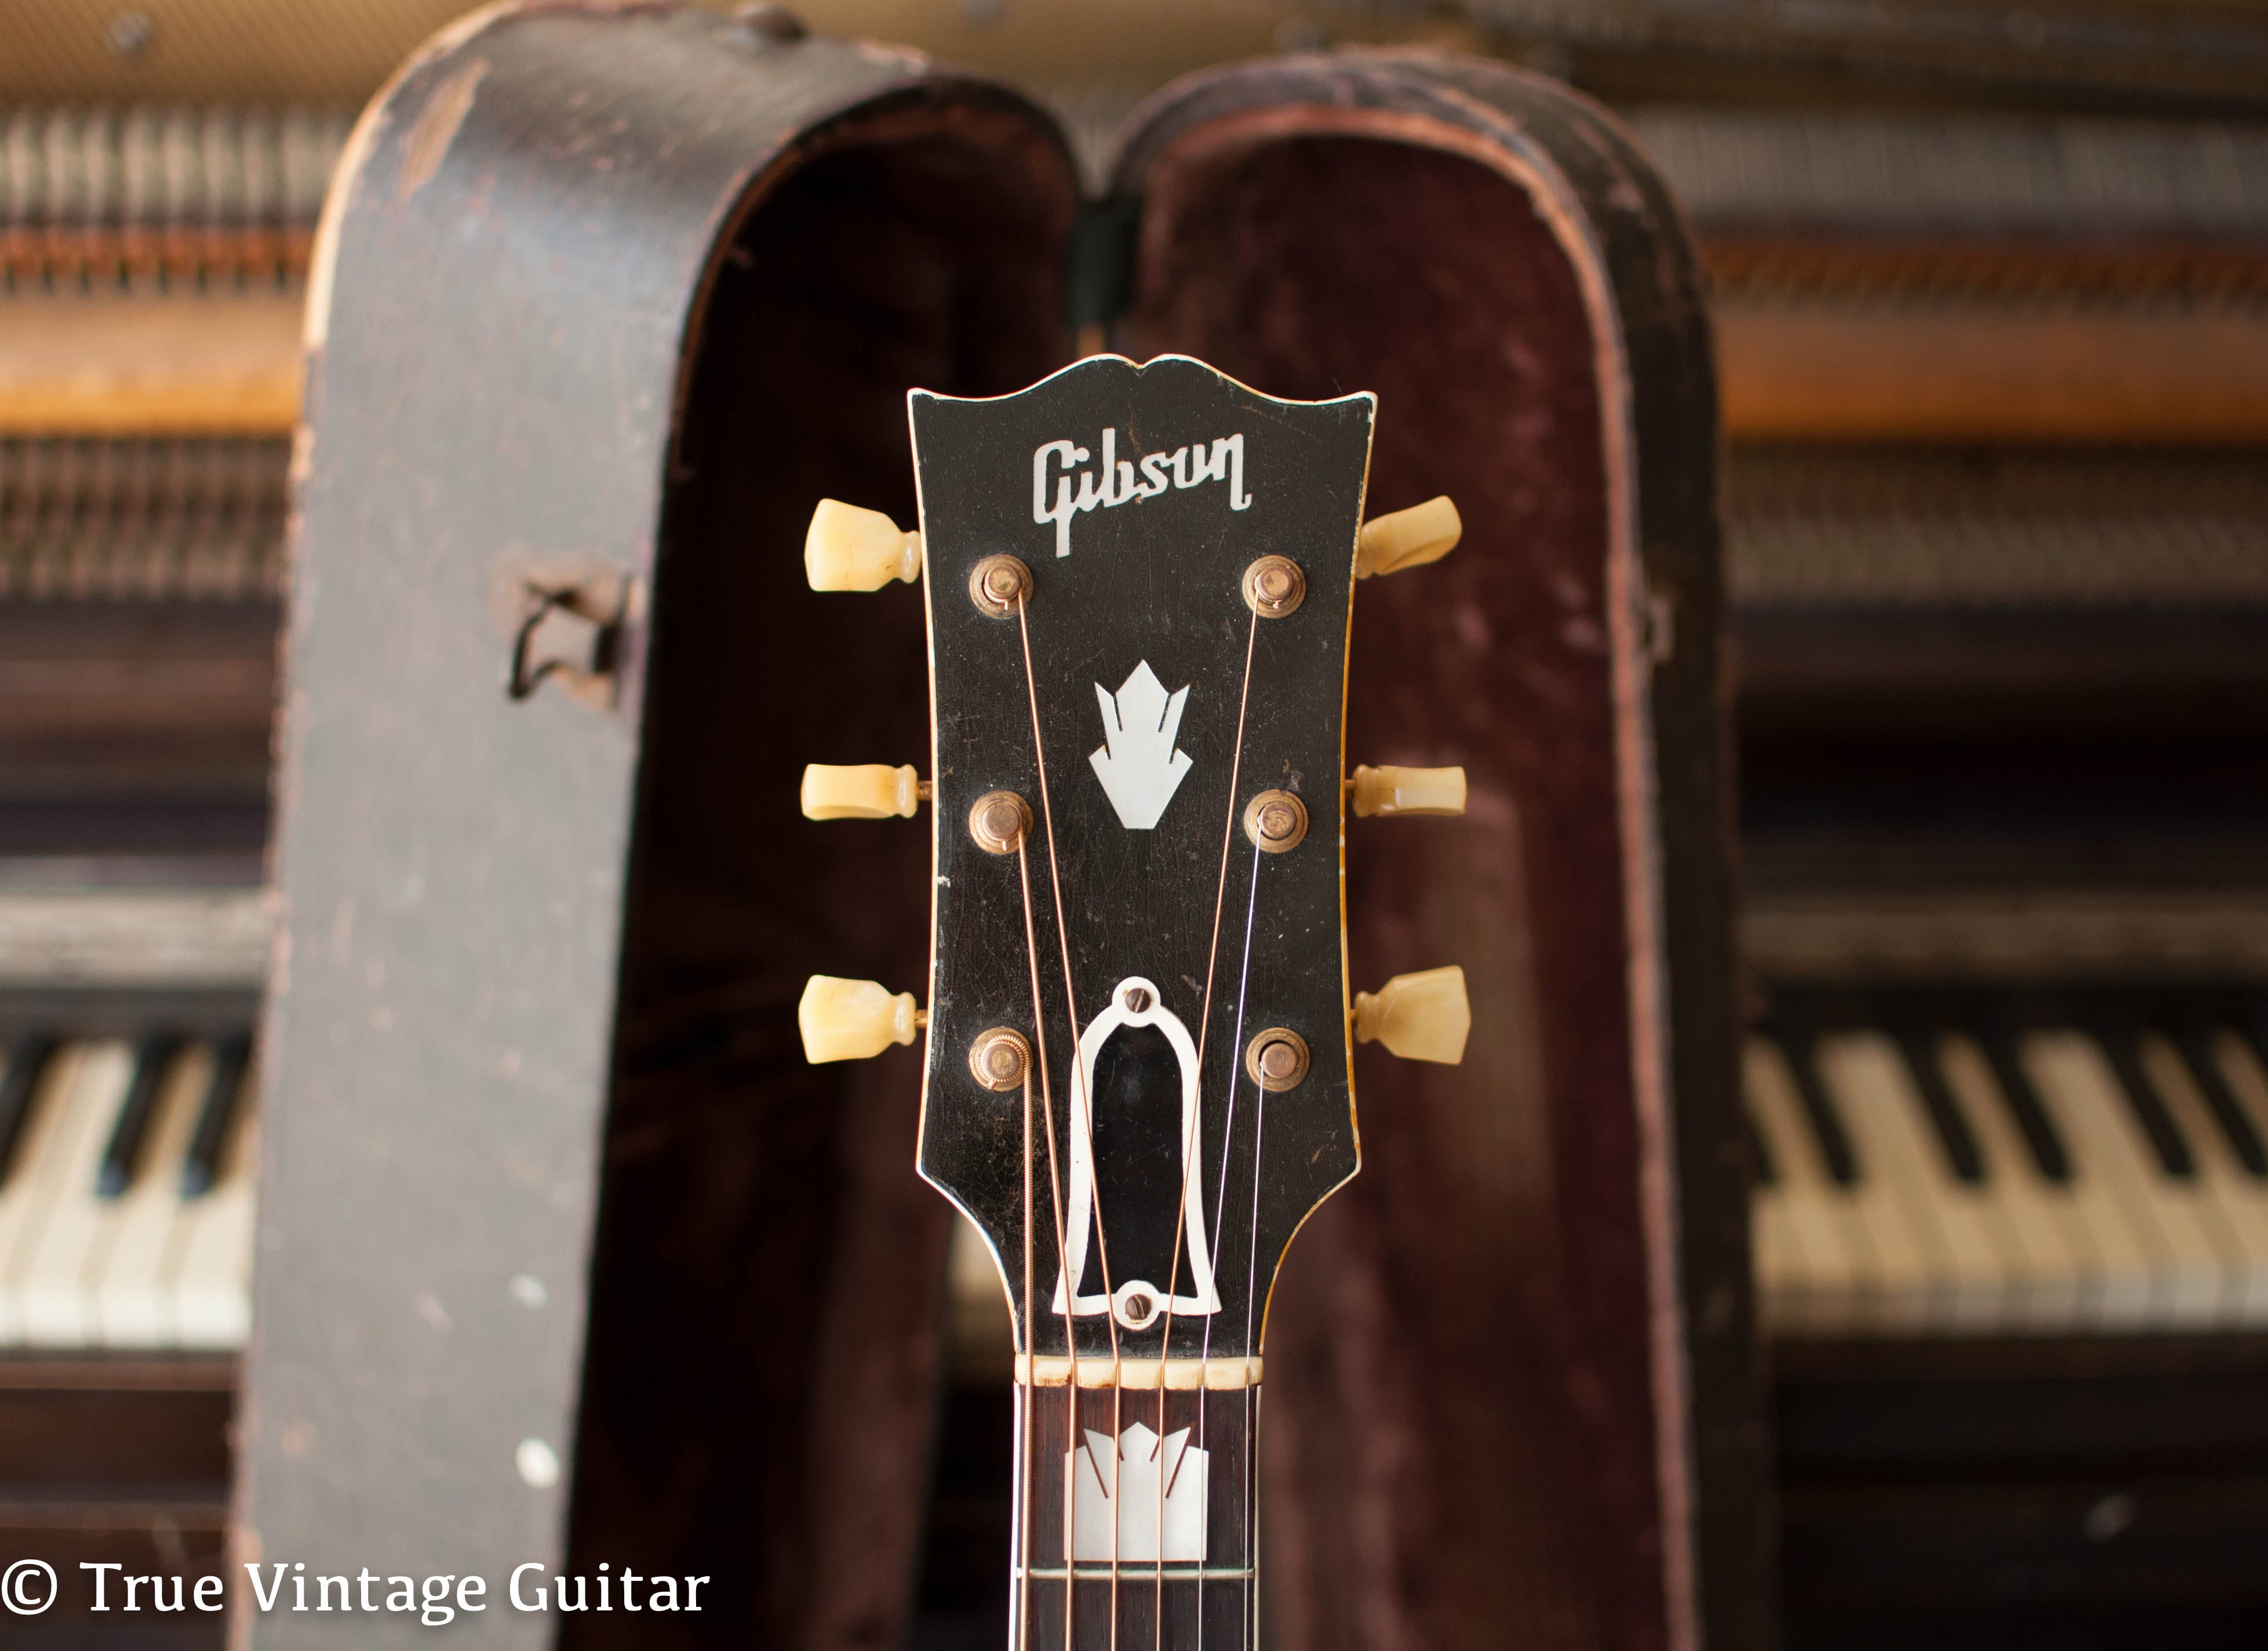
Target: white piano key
1776, 1238
1838, 1268
1874, 1092
133, 1304
2075, 1078
210, 1267
51, 1270
2237, 1199
31, 1181
2062, 1268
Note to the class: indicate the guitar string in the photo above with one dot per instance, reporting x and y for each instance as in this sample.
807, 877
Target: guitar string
1095, 1192
1062, 1263
1191, 1150
1253, 1243
1220, 1210
1023, 1510
1251, 1290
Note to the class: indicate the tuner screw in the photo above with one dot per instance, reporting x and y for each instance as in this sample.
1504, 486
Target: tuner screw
1000, 585
1407, 538
1000, 1058
1274, 586
1000, 820
1277, 1059
1423, 1016
847, 548
1275, 822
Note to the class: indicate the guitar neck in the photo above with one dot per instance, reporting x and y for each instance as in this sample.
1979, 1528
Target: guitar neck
1179, 1481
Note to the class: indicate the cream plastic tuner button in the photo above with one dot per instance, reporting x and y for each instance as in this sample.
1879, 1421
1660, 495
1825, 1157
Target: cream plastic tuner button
853, 550
852, 1020
868, 791
1407, 538
1419, 1017
1396, 791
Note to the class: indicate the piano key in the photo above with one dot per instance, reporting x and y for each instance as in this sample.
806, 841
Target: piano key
1827, 1240
2016, 1087
1834, 1140
2237, 1198
231, 1055
1906, 1270
1775, 1239
1962, 1156
2120, 1043
26, 1195
27, 1058
2064, 1282
2234, 1062
208, 1264
152, 1056
1970, 1265
132, 1295
49, 1269
2074, 1077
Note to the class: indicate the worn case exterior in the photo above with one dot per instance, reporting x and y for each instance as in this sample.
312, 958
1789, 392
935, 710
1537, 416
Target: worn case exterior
564, 1254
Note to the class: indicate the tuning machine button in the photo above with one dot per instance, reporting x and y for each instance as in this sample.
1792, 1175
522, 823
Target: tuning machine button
1389, 791
1423, 1016
1407, 538
852, 1020
865, 791
853, 549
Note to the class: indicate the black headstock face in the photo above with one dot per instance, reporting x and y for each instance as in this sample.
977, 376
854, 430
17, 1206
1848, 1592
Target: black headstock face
1161, 654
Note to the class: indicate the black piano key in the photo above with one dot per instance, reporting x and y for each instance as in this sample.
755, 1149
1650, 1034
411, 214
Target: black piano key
2172, 1147
2049, 1154
151, 1057
1760, 1155
2236, 1126
27, 1061
1962, 1153
231, 1056
1819, 1109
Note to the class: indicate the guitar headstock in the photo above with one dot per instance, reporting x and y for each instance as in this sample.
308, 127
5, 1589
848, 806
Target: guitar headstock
1140, 584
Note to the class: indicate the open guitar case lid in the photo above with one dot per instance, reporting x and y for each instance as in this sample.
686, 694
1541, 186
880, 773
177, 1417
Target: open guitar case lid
564, 1253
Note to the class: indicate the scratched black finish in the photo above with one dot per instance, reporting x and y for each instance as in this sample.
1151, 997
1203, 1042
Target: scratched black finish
1155, 580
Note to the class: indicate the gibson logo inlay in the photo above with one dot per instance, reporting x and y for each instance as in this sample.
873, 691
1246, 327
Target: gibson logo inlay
1112, 484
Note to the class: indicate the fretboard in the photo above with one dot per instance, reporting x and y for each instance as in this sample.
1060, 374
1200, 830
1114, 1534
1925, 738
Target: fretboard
1122, 1475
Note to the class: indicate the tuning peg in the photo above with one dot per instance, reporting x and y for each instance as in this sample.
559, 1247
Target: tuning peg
1396, 790
1419, 1017
868, 791
853, 550
852, 1020
1406, 538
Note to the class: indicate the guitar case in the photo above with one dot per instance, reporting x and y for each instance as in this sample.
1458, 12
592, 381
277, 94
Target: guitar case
565, 1256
